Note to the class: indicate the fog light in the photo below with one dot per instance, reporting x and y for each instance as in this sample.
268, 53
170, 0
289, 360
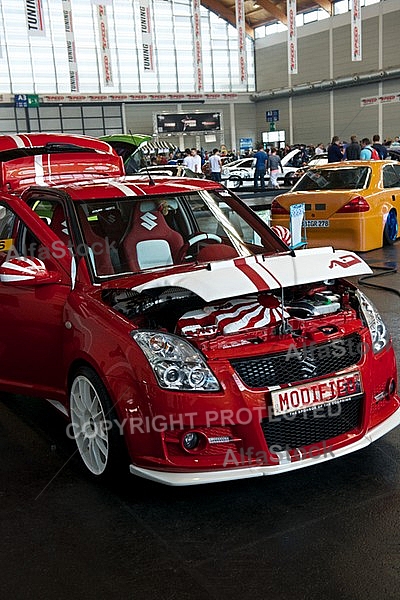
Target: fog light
190, 440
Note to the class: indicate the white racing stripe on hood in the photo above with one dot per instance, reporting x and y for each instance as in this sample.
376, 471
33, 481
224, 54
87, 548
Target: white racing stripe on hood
239, 277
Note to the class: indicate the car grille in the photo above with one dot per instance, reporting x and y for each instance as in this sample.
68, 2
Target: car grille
311, 426
298, 364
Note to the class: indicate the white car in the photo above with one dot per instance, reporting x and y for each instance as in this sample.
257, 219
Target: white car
240, 173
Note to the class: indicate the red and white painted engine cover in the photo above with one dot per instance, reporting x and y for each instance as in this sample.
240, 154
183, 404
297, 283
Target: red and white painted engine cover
232, 316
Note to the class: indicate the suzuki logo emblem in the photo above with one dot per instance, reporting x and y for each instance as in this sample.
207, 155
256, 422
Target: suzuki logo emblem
148, 221
308, 367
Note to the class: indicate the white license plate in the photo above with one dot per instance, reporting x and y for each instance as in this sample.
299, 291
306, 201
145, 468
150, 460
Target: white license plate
315, 393
316, 223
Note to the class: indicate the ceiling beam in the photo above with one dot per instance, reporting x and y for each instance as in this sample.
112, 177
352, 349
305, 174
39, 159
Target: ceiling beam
274, 10
326, 5
225, 13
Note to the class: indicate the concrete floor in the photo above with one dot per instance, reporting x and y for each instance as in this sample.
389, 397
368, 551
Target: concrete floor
327, 532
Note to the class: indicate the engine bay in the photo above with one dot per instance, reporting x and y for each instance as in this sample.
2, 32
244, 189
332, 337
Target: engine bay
180, 311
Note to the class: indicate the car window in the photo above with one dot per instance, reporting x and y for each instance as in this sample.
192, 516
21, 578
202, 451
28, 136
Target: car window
346, 178
53, 213
247, 163
7, 221
16, 239
391, 176
7, 228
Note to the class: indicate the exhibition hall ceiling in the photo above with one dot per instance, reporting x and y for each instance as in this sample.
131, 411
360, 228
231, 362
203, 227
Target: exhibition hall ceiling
262, 12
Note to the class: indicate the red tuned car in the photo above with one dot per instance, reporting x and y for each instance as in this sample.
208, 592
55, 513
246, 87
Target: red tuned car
180, 336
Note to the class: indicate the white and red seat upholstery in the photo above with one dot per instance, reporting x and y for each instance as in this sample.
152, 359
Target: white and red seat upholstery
151, 242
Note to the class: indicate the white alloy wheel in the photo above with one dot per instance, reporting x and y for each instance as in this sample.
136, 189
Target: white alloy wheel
89, 424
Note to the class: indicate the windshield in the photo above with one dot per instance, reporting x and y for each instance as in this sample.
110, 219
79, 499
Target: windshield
343, 178
133, 234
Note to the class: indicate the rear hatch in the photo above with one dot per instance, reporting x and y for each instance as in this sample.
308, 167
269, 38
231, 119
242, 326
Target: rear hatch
321, 205
49, 159
325, 190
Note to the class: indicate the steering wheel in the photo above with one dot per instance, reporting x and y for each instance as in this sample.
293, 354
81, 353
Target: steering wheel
198, 237
195, 238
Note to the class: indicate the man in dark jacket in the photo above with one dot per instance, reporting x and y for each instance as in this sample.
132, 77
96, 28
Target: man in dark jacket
334, 151
260, 159
353, 150
380, 148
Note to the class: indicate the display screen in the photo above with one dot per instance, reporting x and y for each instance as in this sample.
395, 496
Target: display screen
185, 122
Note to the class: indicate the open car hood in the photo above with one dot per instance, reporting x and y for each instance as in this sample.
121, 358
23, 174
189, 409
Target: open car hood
241, 276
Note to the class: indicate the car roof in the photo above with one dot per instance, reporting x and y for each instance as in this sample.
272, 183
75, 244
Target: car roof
122, 187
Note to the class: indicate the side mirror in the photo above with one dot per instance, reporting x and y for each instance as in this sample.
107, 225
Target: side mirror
283, 233
27, 271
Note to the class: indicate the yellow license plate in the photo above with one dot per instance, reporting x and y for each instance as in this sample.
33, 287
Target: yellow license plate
6, 245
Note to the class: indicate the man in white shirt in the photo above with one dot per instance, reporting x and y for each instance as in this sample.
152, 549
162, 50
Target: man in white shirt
215, 165
187, 158
193, 161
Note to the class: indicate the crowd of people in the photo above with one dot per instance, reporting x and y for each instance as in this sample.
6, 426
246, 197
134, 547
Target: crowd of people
365, 149
268, 159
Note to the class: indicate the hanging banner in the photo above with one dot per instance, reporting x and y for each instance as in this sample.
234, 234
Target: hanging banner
70, 39
34, 17
356, 50
241, 31
147, 35
292, 36
103, 2
102, 25
198, 53
133, 98
375, 100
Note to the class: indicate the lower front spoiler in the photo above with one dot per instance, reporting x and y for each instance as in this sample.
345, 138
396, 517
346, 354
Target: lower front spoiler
196, 478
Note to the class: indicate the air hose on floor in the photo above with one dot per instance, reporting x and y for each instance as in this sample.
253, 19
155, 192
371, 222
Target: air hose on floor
382, 271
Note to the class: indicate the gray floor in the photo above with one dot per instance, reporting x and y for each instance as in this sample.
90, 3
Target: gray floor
327, 532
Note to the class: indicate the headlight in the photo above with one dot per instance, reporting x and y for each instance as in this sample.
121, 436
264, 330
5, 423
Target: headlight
176, 364
374, 322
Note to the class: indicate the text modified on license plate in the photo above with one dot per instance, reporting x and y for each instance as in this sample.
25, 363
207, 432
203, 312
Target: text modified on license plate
316, 223
315, 393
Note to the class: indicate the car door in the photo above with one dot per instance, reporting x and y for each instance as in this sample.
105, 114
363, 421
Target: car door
31, 316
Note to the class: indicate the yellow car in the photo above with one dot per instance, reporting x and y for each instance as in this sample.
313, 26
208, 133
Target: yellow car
351, 204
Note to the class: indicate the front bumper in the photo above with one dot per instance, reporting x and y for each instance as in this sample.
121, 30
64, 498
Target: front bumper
285, 464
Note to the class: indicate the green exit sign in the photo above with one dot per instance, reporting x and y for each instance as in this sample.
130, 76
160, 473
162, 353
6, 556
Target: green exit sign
33, 100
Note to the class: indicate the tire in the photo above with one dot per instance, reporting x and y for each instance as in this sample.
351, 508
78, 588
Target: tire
235, 182
94, 425
289, 179
391, 229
